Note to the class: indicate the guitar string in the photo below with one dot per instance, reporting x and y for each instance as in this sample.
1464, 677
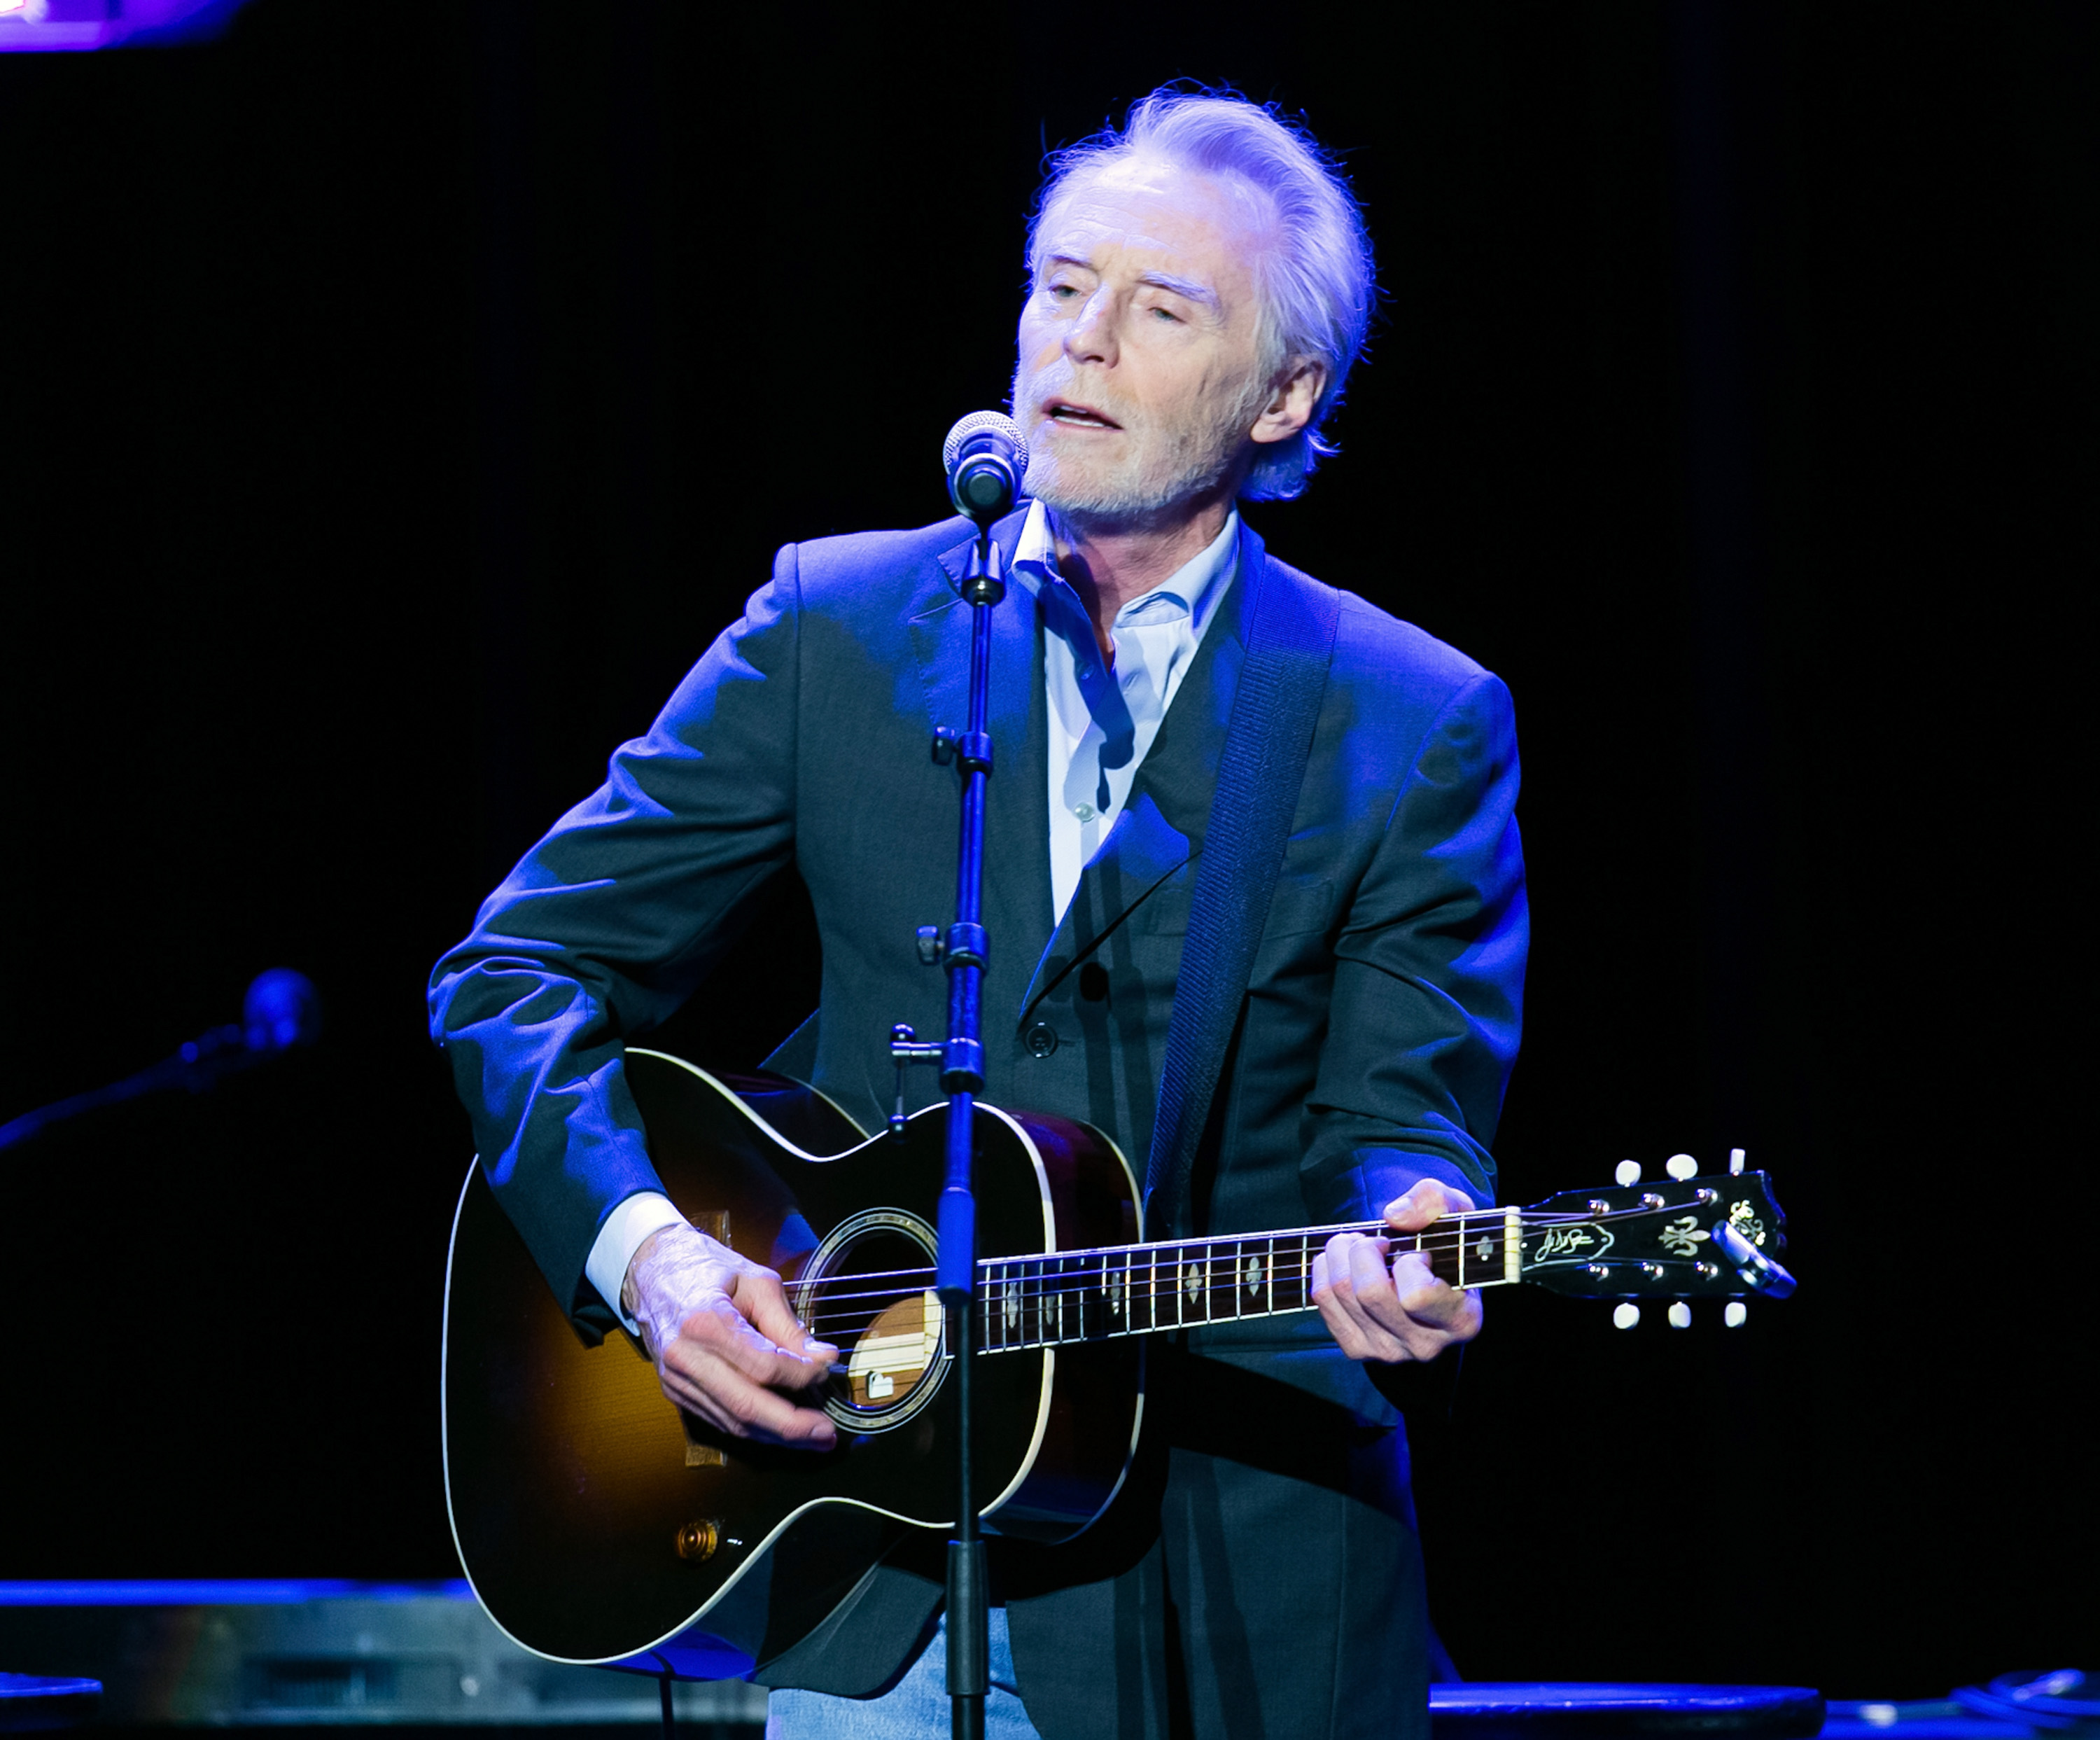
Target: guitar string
1286, 1279
1184, 1316
1086, 1277
1140, 1282
1068, 1286
1459, 1229
1184, 1312
1032, 1301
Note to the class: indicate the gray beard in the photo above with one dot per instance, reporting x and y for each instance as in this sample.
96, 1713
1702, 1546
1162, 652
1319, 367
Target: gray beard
1170, 468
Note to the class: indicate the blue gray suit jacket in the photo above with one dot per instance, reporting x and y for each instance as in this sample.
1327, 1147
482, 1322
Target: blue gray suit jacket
1378, 1028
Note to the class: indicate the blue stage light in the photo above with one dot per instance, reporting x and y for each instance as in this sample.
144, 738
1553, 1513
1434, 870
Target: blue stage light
42, 26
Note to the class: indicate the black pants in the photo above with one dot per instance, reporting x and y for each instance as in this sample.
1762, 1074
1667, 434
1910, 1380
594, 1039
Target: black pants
1260, 1577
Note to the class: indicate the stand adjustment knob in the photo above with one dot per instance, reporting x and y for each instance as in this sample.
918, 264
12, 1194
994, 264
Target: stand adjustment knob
929, 945
970, 750
966, 945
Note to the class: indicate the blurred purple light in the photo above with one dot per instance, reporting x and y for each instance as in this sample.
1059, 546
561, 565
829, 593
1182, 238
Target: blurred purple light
42, 26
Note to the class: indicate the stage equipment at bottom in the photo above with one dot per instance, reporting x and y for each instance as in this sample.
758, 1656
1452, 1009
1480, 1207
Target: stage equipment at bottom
1557, 1710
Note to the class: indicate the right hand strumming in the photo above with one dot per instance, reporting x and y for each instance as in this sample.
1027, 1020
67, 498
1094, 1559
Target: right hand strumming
727, 1348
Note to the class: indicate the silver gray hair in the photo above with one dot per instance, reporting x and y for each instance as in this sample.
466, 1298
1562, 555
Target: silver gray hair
1317, 286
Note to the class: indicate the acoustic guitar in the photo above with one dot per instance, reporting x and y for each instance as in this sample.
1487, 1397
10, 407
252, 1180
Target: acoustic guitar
595, 1521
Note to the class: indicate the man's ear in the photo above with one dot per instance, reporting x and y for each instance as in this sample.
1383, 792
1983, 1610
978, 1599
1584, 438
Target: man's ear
1290, 404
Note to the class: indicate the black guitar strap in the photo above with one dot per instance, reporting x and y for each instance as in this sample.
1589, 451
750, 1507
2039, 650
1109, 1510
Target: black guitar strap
1268, 738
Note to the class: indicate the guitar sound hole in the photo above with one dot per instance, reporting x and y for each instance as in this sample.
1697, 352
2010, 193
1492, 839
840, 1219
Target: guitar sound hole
868, 1290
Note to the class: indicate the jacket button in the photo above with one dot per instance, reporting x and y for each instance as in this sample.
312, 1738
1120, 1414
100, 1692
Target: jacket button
1041, 1039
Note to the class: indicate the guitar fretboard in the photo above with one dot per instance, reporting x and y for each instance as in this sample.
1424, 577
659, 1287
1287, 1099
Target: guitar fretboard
1135, 1290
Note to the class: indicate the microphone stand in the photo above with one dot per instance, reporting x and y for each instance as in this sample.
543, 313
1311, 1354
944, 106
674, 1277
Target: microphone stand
963, 951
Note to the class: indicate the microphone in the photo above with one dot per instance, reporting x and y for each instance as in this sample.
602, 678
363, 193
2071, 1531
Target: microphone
986, 456
281, 1009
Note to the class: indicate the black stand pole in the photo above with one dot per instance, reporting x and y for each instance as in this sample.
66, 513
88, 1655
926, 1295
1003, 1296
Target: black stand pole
984, 455
962, 1076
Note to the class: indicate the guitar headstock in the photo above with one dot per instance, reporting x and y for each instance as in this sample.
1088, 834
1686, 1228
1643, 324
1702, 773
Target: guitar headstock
1712, 1237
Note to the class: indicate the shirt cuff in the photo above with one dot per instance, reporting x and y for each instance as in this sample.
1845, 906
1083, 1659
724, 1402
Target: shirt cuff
633, 1219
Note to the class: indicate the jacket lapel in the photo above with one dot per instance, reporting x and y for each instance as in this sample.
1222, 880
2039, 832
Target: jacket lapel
1161, 828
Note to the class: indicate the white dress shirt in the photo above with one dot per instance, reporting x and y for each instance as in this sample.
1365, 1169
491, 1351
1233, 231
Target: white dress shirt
1101, 724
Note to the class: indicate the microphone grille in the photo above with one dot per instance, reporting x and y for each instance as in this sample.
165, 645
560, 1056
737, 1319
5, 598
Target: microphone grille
998, 422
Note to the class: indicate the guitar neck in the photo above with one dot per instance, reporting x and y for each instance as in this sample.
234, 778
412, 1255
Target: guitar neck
1141, 1289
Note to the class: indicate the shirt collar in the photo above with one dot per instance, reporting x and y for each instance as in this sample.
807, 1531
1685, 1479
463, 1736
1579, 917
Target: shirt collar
1196, 585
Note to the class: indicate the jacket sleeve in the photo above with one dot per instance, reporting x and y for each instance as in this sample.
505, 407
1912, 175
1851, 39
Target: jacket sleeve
1429, 984
603, 929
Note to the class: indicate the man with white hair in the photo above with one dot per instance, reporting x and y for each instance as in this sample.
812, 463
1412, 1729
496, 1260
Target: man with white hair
1199, 285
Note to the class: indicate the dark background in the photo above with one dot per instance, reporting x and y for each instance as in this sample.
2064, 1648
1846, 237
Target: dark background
397, 400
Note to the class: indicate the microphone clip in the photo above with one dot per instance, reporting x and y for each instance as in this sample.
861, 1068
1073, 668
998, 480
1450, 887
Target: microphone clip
984, 582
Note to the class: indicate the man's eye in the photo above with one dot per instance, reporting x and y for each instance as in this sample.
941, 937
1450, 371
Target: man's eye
1166, 314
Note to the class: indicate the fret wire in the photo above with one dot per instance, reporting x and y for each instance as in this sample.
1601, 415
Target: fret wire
1431, 1239
1493, 1281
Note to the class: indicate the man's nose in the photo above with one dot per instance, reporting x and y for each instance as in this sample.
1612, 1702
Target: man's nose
1091, 337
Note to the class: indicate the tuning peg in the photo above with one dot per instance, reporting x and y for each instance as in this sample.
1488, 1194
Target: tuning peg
1734, 1312
1628, 1173
1680, 1315
1736, 1159
1626, 1313
1681, 1167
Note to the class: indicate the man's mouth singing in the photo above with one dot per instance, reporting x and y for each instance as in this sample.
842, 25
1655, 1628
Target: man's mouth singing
1080, 416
